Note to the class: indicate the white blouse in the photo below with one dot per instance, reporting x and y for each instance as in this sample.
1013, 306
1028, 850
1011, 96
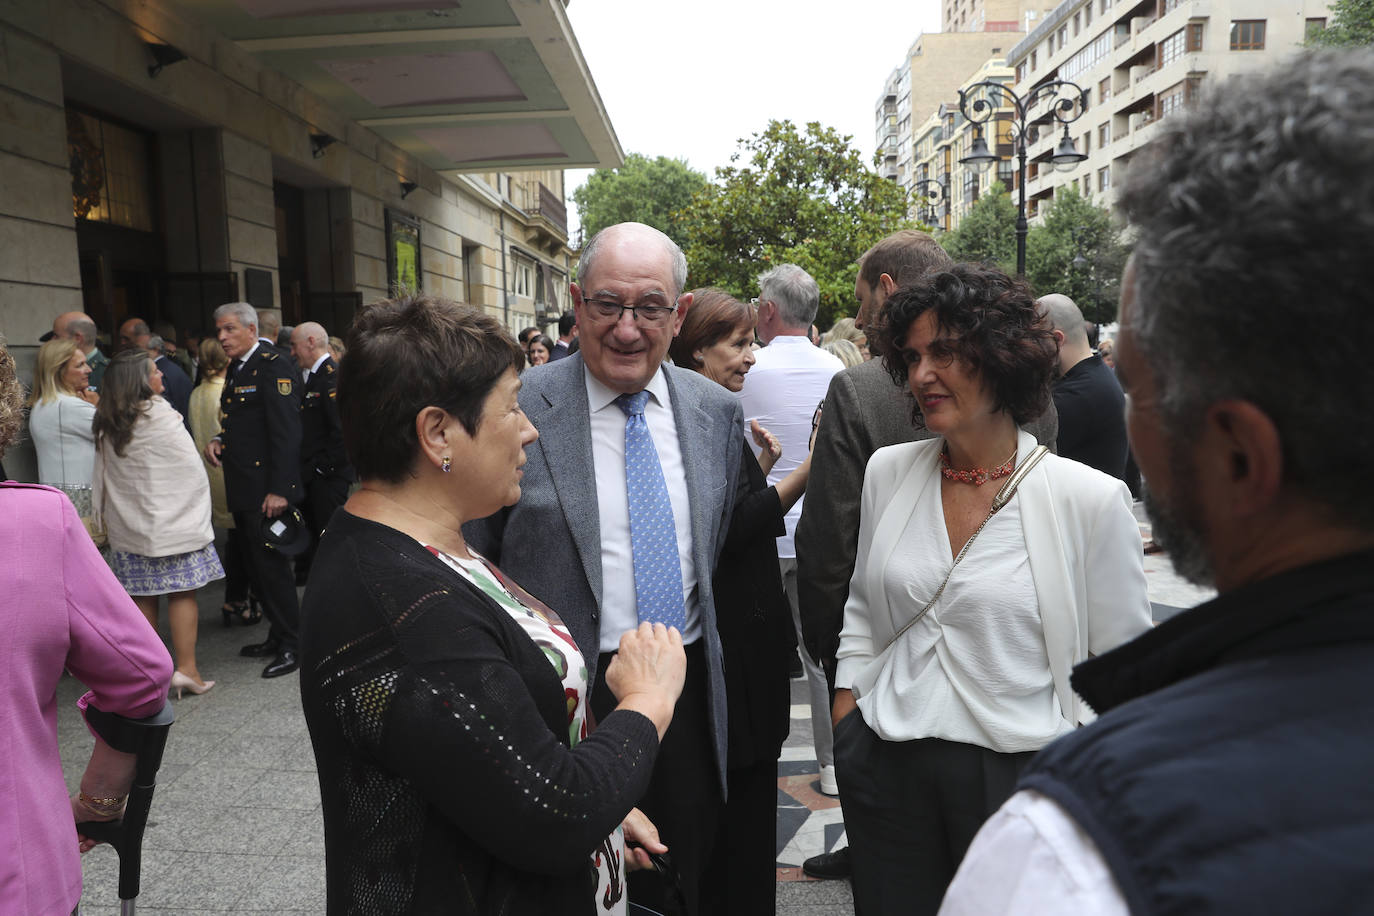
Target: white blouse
64, 440
975, 668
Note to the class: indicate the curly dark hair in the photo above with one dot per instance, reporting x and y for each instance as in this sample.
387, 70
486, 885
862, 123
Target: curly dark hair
993, 328
407, 354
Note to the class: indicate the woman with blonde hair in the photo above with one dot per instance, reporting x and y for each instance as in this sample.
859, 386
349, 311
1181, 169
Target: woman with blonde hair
845, 351
61, 409
154, 498
845, 329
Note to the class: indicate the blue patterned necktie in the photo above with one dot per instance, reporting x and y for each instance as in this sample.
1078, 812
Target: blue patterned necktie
653, 539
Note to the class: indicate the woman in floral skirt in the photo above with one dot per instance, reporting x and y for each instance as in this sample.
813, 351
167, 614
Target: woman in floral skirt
154, 498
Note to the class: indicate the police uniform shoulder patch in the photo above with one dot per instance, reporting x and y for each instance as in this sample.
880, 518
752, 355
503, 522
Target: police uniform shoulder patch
283, 386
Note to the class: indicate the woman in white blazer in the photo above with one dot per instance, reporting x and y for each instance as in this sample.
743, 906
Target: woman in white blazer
61, 409
964, 620
154, 498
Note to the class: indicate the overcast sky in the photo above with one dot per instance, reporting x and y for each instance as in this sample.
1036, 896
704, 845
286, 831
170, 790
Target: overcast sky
688, 80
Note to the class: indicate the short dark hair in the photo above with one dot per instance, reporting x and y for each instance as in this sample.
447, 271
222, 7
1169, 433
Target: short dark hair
904, 255
566, 322
525, 334
409, 353
994, 330
1250, 215
713, 315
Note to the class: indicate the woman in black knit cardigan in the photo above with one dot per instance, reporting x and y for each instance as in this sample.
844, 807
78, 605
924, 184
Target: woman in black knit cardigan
446, 705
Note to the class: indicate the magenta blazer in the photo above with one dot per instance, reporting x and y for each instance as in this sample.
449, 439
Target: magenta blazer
60, 607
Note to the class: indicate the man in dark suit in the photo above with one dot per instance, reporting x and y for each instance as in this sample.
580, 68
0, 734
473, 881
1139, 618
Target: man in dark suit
260, 450
325, 470
864, 410
633, 457
567, 333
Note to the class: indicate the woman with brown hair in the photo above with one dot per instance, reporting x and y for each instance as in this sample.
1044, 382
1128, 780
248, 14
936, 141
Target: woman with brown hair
459, 772
152, 494
754, 619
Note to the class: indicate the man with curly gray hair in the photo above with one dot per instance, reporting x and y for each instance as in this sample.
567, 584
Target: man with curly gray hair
1229, 768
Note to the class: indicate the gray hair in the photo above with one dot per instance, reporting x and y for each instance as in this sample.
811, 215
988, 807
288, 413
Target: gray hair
1252, 268
245, 314
1064, 316
155, 342
269, 320
588, 257
795, 291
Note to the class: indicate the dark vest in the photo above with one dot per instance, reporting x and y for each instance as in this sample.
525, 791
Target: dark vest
1233, 769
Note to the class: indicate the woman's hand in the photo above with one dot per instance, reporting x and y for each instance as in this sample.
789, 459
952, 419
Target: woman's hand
647, 673
82, 813
639, 829
89, 396
843, 706
771, 447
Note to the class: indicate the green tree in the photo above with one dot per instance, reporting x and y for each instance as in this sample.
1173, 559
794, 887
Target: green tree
799, 196
1351, 23
987, 233
1077, 249
643, 190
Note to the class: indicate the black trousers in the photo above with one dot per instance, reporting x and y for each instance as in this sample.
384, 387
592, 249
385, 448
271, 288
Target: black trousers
322, 496
684, 797
273, 581
911, 809
235, 563
742, 877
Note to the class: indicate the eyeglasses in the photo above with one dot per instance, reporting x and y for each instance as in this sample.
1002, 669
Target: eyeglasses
603, 311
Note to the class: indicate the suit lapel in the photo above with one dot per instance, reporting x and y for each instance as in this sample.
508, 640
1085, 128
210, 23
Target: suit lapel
694, 442
560, 412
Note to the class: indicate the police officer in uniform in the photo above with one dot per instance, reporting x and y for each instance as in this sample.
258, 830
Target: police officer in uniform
325, 470
260, 452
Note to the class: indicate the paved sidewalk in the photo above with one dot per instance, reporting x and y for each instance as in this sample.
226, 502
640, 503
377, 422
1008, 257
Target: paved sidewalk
236, 825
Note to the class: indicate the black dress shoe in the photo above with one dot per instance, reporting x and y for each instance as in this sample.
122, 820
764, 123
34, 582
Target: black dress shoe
265, 649
284, 663
828, 865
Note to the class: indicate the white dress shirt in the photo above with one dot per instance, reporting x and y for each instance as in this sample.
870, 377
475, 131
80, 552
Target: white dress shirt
305, 376
782, 392
618, 605
1032, 859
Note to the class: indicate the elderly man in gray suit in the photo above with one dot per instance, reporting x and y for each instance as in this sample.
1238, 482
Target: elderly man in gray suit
626, 499
863, 411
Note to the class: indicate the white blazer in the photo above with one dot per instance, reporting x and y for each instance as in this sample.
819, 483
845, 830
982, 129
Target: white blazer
1082, 541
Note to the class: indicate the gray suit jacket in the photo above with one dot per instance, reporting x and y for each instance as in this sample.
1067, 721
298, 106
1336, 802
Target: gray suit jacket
864, 411
550, 541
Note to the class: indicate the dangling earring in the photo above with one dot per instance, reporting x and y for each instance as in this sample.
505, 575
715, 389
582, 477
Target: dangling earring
447, 465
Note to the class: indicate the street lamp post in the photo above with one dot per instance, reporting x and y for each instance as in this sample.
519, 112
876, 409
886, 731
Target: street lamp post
934, 191
1069, 103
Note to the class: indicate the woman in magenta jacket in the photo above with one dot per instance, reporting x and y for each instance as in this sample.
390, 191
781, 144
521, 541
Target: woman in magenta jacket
60, 607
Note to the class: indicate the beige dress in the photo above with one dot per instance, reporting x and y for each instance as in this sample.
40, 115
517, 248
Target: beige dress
205, 425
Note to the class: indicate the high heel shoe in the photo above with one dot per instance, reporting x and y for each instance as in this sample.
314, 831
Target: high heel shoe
185, 682
245, 613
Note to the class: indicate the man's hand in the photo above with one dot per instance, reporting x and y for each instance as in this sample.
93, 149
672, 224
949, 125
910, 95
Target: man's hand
273, 505
212, 450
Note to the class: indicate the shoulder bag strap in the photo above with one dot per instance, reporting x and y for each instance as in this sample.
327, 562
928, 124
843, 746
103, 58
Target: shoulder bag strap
1003, 497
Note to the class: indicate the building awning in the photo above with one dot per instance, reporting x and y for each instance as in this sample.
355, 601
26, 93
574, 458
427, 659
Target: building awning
462, 85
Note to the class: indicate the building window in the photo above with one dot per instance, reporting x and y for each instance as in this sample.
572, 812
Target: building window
1314, 26
1104, 90
1077, 22
1032, 66
1168, 6
1172, 99
1087, 185
1104, 5
1104, 178
1021, 72
111, 168
522, 277
1087, 143
1194, 36
1104, 135
1171, 48
1088, 14
1247, 35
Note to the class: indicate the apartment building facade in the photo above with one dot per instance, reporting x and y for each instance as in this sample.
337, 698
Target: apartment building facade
1141, 61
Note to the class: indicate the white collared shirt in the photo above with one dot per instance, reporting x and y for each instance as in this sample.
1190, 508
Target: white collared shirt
618, 605
1032, 859
249, 355
782, 391
305, 376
